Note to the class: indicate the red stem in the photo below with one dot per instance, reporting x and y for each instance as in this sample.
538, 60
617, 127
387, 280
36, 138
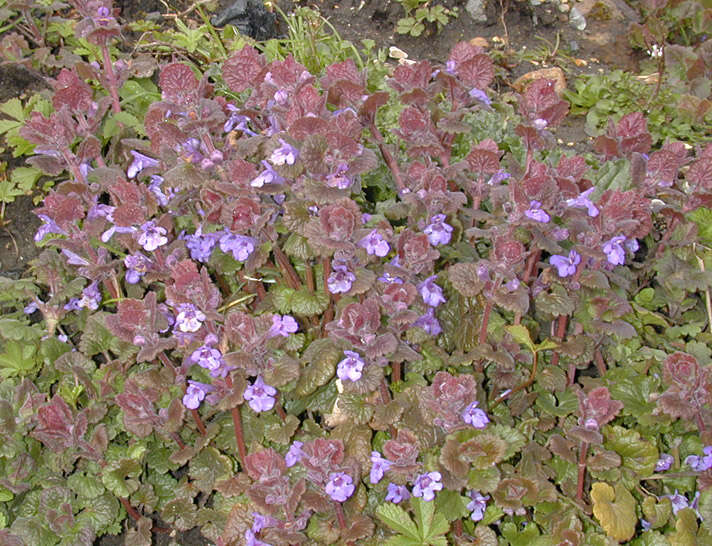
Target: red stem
583, 449
485, 320
600, 363
340, 515
131, 511
396, 372
199, 422
387, 156
111, 79
237, 422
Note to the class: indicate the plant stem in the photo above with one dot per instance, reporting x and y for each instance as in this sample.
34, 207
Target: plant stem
485, 320
340, 515
387, 156
131, 511
292, 277
600, 363
396, 372
583, 450
237, 422
507, 394
199, 422
111, 79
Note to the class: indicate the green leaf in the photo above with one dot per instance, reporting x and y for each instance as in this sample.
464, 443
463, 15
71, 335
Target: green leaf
5, 494
208, 467
431, 524
685, 529
9, 191
613, 175
84, 485
702, 216
452, 504
100, 513
18, 330
521, 335
25, 178
398, 519
117, 476
305, 302
18, 359
321, 357
639, 456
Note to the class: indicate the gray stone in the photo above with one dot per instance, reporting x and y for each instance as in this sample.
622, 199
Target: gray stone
476, 10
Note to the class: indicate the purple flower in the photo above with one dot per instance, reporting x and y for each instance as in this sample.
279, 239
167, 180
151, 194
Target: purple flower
237, 121
614, 251
632, 245
155, 188
340, 486
397, 493
512, 285
475, 416
252, 540
195, 394
91, 298
535, 212
240, 246
339, 179
379, 466
679, 502
426, 485
190, 151
374, 243
498, 177
260, 395
151, 236
429, 322
48, 226
480, 95
583, 201
438, 232
286, 154
295, 454
431, 293
478, 505
350, 367
30, 308
268, 176
340, 279
390, 279
700, 463
665, 462
283, 326
200, 245
566, 265
208, 358
139, 163
136, 267
540, 124
189, 318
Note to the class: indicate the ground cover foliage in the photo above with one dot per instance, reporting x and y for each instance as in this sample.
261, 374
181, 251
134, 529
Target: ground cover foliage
350, 305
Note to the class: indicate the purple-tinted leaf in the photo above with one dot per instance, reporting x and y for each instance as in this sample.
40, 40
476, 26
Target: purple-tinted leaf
265, 465
540, 101
71, 91
139, 414
476, 71
178, 83
56, 425
700, 173
241, 70
689, 386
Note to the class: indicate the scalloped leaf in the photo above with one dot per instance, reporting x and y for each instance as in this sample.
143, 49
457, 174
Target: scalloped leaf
615, 510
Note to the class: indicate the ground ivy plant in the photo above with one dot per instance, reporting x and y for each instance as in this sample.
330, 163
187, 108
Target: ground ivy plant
257, 315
